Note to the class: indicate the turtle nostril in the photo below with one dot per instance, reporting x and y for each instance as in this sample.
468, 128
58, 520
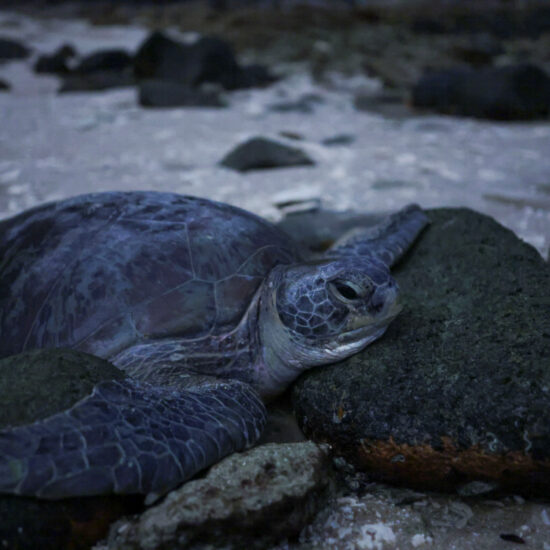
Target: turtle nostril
377, 301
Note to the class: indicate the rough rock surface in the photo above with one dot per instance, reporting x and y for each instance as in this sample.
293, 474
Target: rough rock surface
459, 387
386, 518
248, 500
260, 153
35, 385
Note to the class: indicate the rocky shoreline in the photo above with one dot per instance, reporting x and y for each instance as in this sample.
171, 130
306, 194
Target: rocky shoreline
455, 398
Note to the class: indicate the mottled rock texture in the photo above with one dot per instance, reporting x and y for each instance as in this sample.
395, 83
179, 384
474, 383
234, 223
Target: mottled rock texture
248, 500
459, 387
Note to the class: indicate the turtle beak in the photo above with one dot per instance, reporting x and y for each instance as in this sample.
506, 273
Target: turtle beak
382, 307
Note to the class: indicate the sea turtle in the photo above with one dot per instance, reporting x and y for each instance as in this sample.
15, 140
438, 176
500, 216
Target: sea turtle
209, 311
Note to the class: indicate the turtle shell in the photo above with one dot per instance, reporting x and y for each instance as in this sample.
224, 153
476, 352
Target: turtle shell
104, 271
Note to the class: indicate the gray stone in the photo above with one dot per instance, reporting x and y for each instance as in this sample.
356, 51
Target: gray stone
248, 500
260, 153
37, 384
459, 387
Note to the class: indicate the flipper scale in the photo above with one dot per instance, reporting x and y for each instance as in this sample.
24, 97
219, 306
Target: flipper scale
387, 241
129, 437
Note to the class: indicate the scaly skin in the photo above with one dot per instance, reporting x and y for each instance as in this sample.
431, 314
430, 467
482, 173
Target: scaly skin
205, 306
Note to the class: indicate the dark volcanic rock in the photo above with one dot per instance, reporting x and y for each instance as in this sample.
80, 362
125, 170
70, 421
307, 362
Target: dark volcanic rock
260, 153
248, 500
107, 60
35, 385
458, 388
162, 93
57, 62
12, 49
518, 92
4, 86
208, 59
96, 81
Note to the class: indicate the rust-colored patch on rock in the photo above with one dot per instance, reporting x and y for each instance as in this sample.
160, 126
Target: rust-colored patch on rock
426, 467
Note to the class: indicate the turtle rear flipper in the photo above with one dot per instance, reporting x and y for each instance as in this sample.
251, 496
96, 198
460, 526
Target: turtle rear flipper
388, 240
129, 437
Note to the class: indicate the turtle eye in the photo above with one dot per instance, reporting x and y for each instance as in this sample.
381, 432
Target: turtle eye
345, 290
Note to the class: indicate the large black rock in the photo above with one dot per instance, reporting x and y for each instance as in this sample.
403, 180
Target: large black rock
515, 92
458, 388
209, 59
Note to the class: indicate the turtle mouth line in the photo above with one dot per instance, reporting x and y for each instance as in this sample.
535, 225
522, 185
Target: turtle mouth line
371, 325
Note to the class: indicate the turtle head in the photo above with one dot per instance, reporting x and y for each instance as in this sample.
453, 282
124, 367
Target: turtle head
323, 311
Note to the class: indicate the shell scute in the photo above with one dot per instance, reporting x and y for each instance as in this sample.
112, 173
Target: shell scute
101, 272
189, 309
232, 297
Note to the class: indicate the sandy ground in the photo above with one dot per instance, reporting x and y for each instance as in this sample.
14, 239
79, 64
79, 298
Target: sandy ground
53, 146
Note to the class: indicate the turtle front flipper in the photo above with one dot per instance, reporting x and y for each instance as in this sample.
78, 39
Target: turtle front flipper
129, 437
387, 241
